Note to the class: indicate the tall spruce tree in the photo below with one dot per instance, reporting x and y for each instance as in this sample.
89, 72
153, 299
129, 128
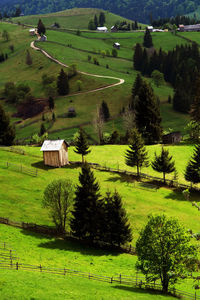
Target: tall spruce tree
163, 163
195, 107
105, 111
7, 131
41, 28
51, 103
28, 58
81, 144
95, 21
102, 19
137, 57
192, 172
137, 85
117, 228
148, 117
62, 83
136, 155
147, 39
86, 219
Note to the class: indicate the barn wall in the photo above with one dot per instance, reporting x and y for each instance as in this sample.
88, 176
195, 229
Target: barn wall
63, 155
51, 158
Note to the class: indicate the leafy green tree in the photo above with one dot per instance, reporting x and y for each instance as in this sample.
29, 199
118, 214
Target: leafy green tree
7, 131
164, 251
136, 155
163, 163
62, 83
192, 172
105, 111
117, 228
86, 219
81, 144
5, 36
58, 198
158, 77
41, 28
148, 117
114, 52
147, 39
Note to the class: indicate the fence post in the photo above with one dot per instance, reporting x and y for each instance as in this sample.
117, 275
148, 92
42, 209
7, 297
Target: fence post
4, 245
40, 268
111, 279
120, 278
89, 276
195, 295
10, 254
36, 172
17, 266
64, 271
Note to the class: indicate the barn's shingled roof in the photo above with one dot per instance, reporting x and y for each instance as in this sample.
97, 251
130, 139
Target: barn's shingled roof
52, 145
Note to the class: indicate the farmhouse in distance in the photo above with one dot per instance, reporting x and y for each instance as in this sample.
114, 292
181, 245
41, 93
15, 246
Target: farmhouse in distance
55, 153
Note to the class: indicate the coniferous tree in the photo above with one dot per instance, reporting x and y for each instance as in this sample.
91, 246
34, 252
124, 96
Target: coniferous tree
28, 58
7, 131
81, 144
117, 229
137, 85
195, 107
136, 155
102, 19
147, 39
192, 172
62, 83
87, 213
148, 117
42, 129
95, 21
51, 103
137, 58
40, 27
163, 163
105, 111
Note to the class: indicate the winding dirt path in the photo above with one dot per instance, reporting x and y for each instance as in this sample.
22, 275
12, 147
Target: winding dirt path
120, 80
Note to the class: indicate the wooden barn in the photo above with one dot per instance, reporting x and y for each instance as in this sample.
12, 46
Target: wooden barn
172, 138
55, 153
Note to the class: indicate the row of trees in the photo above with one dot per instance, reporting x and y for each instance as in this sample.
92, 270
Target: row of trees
92, 216
97, 21
180, 67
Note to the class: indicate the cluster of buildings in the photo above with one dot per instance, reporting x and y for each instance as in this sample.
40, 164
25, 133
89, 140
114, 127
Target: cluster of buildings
185, 28
33, 31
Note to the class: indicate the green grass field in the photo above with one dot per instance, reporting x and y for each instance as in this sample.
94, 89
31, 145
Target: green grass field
21, 200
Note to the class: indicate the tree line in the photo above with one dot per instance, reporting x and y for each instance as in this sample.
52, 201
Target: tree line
180, 67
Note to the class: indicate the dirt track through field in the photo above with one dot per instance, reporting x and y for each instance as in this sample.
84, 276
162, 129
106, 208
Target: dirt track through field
120, 80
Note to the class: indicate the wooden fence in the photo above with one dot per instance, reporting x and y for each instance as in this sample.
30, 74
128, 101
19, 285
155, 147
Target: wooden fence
9, 260
19, 168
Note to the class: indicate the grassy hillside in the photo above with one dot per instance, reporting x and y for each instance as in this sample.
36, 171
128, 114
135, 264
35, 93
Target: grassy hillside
76, 18
69, 49
21, 200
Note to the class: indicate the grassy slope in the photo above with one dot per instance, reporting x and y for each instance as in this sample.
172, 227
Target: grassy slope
85, 105
71, 18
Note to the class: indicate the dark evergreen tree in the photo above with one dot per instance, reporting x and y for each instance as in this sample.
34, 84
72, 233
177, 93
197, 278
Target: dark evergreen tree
163, 163
42, 129
192, 172
62, 83
117, 229
41, 28
147, 39
105, 111
137, 58
7, 131
91, 25
28, 58
148, 117
137, 85
53, 117
95, 21
86, 219
81, 144
102, 19
51, 103
195, 107
136, 155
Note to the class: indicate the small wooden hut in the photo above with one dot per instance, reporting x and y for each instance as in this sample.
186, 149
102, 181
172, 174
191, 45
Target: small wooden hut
55, 153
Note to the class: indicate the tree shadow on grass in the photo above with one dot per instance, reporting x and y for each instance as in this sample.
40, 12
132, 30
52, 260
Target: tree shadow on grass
77, 246
122, 178
177, 195
147, 292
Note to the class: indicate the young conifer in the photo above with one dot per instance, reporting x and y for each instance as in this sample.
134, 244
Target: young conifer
136, 155
62, 83
147, 39
163, 163
192, 172
81, 144
7, 132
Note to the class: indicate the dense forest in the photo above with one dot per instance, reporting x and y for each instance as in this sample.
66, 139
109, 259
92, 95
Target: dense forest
143, 11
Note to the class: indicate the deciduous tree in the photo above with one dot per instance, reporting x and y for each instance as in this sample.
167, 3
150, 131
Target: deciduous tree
164, 251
